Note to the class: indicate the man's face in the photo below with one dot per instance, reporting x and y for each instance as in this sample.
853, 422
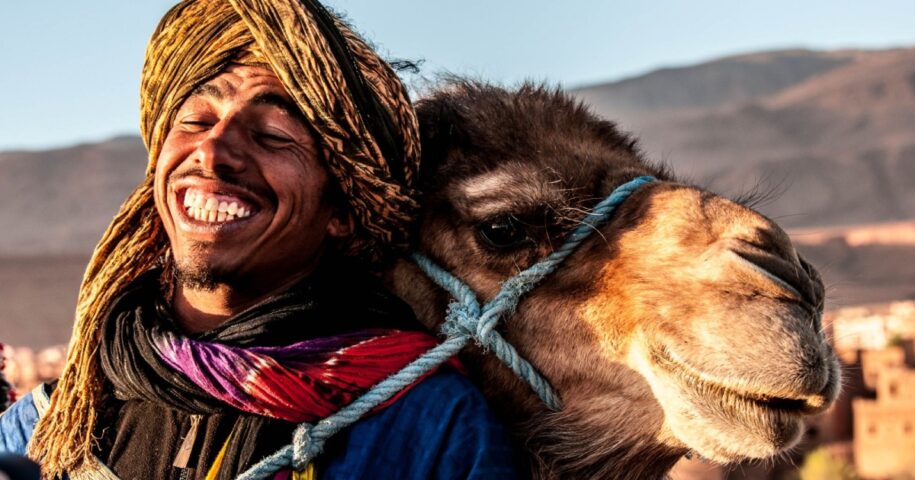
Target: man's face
240, 186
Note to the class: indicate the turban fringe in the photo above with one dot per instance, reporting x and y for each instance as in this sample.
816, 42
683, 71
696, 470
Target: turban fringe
352, 99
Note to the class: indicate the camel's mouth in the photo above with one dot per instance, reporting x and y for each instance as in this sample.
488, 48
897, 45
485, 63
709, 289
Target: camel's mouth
702, 385
727, 423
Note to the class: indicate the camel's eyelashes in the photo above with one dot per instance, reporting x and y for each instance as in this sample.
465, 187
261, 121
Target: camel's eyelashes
503, 233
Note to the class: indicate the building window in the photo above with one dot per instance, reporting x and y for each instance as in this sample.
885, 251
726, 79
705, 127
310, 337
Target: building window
894, 389
872, 429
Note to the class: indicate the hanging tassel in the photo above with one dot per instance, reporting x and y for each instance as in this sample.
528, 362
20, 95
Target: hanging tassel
214, 469
307, 474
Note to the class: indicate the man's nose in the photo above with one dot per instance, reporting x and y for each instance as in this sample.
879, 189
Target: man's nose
223, 149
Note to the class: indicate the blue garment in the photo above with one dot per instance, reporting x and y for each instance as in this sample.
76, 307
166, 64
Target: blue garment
17, 424
440, 429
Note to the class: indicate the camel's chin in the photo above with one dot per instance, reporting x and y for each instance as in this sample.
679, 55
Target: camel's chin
725, 425
733, 432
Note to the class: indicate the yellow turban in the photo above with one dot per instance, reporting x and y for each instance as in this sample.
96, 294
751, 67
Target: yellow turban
353, 101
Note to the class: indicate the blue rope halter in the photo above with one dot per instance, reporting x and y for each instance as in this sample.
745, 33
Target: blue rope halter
466, 320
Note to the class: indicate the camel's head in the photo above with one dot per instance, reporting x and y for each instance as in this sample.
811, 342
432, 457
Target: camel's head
686, 322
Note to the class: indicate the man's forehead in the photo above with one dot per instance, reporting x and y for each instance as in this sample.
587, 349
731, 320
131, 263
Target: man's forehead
228, 82
265, 85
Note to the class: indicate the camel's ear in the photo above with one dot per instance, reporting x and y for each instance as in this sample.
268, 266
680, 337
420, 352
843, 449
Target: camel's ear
611, 135
442, 129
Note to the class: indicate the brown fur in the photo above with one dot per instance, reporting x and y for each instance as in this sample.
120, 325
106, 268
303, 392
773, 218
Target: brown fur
687, 322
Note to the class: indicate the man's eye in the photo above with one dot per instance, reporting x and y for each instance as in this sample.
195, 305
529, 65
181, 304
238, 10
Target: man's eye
195, 124
273, 139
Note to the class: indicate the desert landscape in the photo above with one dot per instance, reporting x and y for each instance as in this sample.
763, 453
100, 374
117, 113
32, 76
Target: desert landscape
820, 141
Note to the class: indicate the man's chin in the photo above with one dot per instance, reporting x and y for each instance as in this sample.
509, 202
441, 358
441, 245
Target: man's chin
199, 270
196, 278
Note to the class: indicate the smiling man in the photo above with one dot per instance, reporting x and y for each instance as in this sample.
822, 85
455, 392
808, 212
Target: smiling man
230, 299
247, 204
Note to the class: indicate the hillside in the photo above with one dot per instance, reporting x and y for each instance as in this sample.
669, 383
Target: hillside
830, 133
60, 201
719, 82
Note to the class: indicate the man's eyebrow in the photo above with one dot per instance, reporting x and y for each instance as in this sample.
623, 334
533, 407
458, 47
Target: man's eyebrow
208, 90
278, 101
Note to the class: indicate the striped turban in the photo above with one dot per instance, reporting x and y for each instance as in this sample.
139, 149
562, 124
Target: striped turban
352, 99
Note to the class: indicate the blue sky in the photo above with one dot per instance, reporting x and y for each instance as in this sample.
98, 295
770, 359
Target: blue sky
69, 71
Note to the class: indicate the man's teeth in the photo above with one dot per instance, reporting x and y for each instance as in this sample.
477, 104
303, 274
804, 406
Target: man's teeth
209, 209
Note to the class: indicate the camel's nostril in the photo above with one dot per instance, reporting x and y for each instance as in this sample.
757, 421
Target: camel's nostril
819, 291
769, 239
789, 274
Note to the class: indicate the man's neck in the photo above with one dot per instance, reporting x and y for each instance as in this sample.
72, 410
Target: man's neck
200, 310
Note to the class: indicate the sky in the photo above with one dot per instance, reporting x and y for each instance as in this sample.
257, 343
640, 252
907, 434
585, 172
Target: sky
70, 71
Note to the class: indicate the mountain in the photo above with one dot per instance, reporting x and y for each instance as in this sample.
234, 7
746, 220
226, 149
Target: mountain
727, 80
829, 133
54, 206
60, 201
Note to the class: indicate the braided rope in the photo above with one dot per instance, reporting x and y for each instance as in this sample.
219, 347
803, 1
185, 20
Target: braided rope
465, 320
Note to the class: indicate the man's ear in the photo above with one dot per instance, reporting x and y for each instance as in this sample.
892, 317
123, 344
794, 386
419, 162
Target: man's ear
341, 224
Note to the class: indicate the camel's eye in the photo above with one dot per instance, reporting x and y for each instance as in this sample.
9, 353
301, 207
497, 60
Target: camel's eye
503, 232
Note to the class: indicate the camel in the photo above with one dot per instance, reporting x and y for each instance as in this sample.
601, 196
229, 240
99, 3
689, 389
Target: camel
686, 324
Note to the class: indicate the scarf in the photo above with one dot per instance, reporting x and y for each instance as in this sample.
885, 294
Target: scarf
245, 363
296, 357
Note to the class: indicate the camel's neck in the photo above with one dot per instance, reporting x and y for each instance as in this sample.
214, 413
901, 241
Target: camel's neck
560, 450
614, 434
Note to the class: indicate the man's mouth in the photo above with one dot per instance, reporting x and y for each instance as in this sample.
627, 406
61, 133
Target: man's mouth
214, 208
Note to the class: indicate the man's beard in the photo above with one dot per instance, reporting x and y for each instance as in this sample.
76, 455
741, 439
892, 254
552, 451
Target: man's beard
196, 274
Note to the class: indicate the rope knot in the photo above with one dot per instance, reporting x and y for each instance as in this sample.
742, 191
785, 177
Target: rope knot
461, 319
304, 447
485, 325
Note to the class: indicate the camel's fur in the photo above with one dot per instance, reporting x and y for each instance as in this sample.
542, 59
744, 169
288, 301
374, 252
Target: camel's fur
687, 322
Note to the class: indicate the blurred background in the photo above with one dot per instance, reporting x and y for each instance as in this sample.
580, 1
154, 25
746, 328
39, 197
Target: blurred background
811, 104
